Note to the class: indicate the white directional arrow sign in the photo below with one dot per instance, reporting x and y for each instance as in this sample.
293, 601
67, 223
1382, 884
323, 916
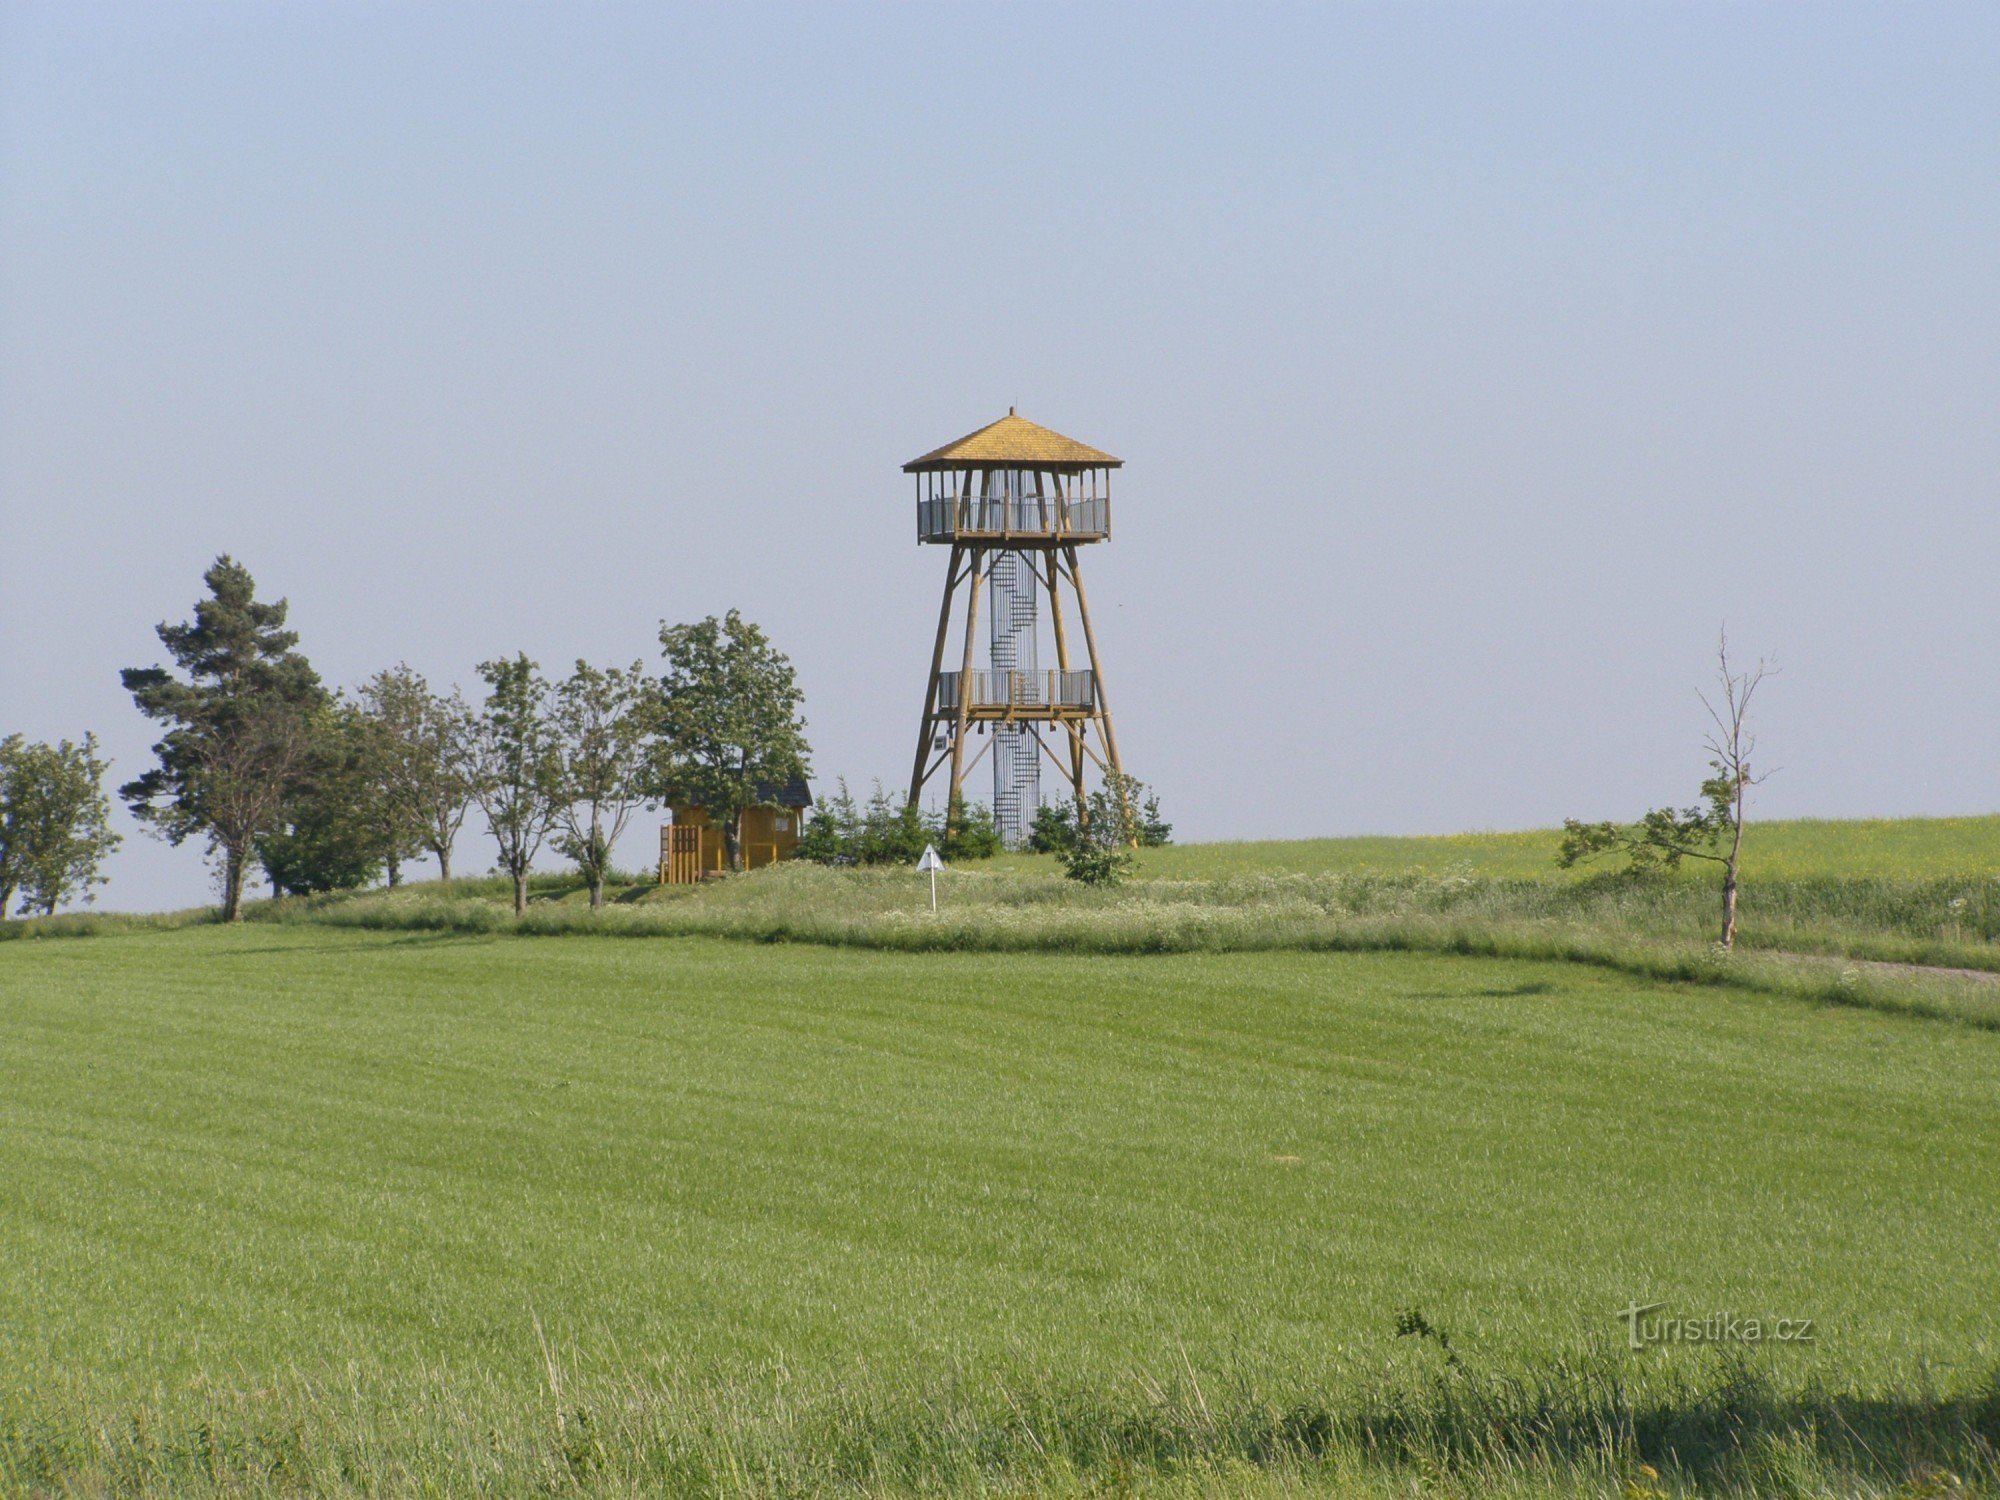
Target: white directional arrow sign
929, 863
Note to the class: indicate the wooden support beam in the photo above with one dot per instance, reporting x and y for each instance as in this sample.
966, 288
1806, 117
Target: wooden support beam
918, 774
1093, 754
1096, 666
1062, 665
1054, 759
942, 756
978, 755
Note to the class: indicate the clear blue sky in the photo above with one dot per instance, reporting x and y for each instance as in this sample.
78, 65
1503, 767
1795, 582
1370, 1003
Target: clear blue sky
1471, 365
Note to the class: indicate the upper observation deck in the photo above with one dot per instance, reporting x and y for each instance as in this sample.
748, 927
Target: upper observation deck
1014, 484
1013, 520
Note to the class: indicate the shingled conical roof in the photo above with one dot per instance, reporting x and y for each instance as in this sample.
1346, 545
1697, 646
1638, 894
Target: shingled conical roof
1013, 443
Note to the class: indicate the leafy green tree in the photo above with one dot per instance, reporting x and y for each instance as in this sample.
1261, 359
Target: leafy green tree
237, 725
603, 718
420, 749
394, 823
334, 829
517, 769
54, 822
15, 782
729, 730
1710, 831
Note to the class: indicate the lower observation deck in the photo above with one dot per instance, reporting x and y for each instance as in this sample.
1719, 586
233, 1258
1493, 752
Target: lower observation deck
1022, 521
1021, 695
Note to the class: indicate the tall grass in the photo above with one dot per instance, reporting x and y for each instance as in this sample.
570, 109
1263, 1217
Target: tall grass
1727, 1428
74, 924
1800, 938
1836, 940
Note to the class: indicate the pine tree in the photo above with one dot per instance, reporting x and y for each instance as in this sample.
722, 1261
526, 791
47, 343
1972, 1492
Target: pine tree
968, 831
832, 831
238, 725
893, 831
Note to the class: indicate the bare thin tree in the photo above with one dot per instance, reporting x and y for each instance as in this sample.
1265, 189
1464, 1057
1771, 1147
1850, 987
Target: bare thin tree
1730, 746
1711, 830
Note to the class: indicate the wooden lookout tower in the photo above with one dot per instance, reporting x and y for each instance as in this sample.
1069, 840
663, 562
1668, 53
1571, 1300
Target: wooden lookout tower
1014, 502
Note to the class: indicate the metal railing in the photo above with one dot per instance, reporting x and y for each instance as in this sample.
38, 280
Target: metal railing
946, 517
1023, 690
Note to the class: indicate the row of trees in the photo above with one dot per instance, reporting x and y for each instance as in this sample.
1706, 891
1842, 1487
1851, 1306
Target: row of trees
396, 770
269, 768
54, 823
266, 765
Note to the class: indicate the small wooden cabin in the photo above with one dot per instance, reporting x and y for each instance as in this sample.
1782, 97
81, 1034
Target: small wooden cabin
692, 848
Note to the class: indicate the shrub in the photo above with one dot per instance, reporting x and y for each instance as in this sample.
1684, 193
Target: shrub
1094, 863
832, 832
1103, 832
889, 832
1054, 828
1093, 840
968, 832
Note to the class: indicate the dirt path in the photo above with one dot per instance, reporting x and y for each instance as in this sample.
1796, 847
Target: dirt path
1928, 971
1911, 971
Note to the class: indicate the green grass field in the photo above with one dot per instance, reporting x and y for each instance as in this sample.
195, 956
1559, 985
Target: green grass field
298, 1208
1885, 848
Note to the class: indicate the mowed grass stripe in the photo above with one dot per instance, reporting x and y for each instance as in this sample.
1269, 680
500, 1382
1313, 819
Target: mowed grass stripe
390, 1149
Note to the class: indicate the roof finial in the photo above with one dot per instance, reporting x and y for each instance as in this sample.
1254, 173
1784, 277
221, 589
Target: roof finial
1010, 411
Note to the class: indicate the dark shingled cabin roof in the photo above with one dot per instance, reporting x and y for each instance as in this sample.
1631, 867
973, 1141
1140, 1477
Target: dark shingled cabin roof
794, 793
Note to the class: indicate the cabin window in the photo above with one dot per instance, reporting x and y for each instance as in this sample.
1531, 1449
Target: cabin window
781, 823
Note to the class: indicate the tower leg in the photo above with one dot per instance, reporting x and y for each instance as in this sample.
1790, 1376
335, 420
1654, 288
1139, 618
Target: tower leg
930, 715
1074, 734
1096, 667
